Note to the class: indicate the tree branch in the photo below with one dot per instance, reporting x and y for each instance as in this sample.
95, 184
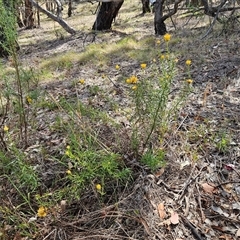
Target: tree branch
54, 17
175, 8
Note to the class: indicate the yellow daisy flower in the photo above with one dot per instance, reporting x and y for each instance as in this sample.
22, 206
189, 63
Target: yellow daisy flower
134, 87
134, 79
117, 67
143, 65
82, 81
29, 100
167, 37
5, 128
129, 80
188, 62
42, 212
162, 57
98, 187
189, 81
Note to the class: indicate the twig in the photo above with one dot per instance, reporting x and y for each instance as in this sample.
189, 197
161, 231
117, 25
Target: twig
189, 181
192, 228
187, 206
54, 230
175, 131
199, 202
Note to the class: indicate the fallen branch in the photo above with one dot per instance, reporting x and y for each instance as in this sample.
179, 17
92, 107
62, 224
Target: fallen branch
54, 17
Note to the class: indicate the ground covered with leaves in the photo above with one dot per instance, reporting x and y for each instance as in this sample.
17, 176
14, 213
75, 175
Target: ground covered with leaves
79, 110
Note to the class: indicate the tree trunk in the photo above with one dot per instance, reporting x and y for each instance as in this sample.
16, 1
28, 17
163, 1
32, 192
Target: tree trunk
159, 25
28, 18
69, 8
145, 6
107, 13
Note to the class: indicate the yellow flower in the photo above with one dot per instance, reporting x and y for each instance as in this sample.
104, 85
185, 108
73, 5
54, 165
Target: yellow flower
42, 212
29, 100
188, 62
98, 187
117, 67
189, 81
68, 172
68, 147
37, 196
134, 79
162, 57
143, 65
5, 128
158, 41
134, 87
67, 152
82, 81
129, 80
167, 37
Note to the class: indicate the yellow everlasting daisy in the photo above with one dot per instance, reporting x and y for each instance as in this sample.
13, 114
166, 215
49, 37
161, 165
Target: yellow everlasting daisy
42, 212
143, 65
82, 81
167, 37
134, 87
162, 57
98, 187
129, 80
188, 62
5, 128
29, 100
134, 79
189, 81
117, 67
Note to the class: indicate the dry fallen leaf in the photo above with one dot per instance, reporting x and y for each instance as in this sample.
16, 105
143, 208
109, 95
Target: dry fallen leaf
174, 218
208, 188
238, 233
160, 172
161, 211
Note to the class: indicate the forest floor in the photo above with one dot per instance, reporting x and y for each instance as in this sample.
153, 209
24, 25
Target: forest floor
196, 194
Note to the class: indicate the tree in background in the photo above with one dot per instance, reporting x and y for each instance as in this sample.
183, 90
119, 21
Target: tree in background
145, 6
107, 13
8, 36
29, 16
